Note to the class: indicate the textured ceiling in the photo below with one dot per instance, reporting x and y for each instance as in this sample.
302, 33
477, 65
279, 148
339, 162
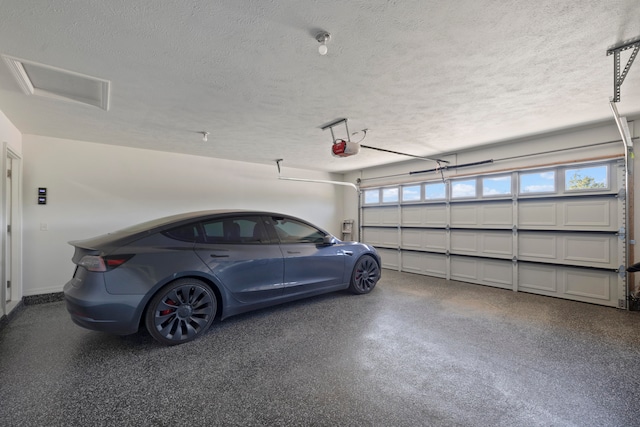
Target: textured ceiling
424, 76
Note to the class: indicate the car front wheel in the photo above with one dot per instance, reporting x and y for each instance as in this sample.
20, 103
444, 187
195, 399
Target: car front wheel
365, 275
181, 311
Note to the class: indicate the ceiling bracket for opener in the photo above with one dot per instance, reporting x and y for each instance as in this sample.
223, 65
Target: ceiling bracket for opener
618, 77
334, 123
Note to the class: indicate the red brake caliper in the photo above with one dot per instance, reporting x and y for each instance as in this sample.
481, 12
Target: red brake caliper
168, 310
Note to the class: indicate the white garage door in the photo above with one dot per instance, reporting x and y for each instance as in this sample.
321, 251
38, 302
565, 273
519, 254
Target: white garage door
555, 231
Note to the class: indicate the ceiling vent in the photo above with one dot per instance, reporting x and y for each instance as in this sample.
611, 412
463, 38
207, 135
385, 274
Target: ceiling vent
51, 82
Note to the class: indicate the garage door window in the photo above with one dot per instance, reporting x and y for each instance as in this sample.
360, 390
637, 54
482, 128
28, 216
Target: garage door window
496, 186
463, 189
435, 191
538, 182
411, 193
390, 195
372, 196
586, 178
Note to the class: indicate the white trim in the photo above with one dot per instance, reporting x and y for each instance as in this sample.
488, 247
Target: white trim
16, 238
3, 228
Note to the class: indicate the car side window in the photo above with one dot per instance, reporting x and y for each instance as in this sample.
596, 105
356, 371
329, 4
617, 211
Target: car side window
292, 231
235, 230
185, 233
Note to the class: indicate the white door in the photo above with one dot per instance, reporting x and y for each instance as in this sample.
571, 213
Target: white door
8, 241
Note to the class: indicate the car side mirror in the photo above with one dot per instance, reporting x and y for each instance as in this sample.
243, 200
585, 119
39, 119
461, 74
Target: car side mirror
329, 240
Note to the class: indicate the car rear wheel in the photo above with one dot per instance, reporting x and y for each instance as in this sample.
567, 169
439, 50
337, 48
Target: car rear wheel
365, 275
181, 311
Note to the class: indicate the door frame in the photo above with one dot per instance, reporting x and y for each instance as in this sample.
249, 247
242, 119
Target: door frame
16, 230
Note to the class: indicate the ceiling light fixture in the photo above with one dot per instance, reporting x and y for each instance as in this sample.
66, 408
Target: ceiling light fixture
205, 135
323, 37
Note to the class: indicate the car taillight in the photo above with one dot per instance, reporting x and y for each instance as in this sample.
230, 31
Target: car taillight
115, 262
101, 264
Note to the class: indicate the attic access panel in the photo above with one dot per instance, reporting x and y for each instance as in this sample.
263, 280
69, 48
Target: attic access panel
51, 82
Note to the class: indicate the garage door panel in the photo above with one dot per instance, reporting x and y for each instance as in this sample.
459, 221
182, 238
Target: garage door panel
436, 216
464, 269
413, 215
389, 216
592, 286
588, 214
534, 278
421, 239
380, 216
435, 240
583, 214
412, 238
388, 237
498, 243
412, 262
424, 263
537, 247
589, 250
371, 216
464, 242
464, 215
372, 236
496, 273
424, 216
537, 215
389, 258
490, 215
381, 237
497, 214
482, 243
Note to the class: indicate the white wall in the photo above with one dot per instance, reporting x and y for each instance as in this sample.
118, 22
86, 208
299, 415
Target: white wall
10, 134
94, 189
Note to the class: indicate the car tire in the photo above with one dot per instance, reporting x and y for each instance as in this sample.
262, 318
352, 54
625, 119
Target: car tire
181, 311
366, 274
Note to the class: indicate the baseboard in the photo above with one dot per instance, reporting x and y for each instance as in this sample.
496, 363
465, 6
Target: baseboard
42, 291
43, 298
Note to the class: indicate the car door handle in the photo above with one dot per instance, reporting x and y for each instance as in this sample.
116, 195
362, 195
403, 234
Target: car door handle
350, 253
293, 252
219, 256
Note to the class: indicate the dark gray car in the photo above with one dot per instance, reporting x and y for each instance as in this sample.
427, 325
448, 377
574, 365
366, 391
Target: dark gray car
177, 274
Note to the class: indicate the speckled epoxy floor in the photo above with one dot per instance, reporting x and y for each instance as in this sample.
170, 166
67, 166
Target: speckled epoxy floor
416, 351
